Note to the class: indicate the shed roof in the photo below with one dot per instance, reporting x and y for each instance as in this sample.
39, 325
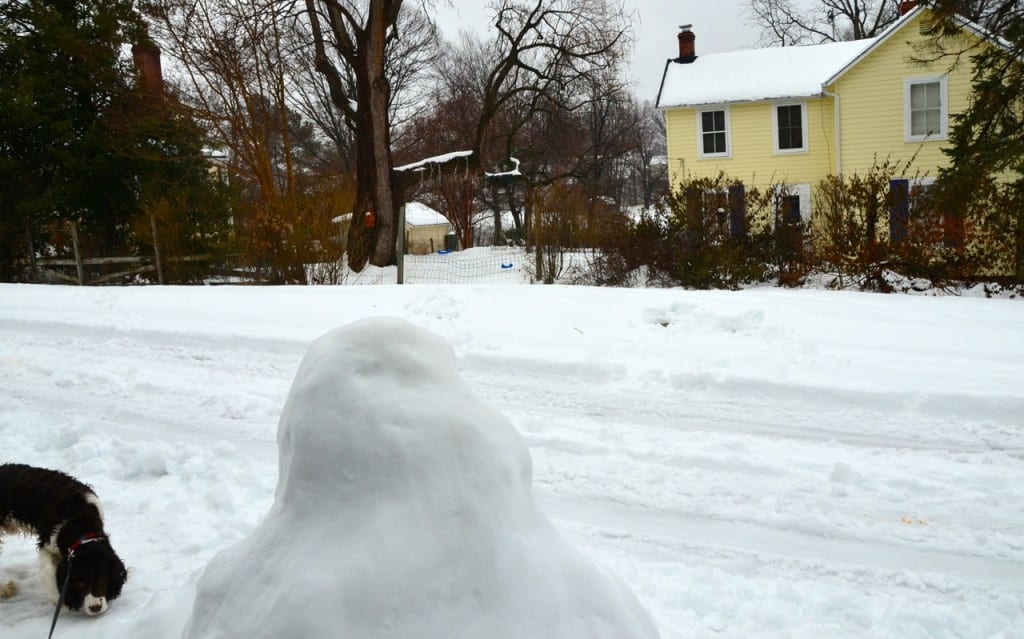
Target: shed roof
416, 214
419, 214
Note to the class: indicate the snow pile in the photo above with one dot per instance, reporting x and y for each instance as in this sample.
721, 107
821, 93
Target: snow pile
403, 508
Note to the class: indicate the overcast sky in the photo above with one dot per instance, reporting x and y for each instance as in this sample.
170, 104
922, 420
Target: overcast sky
721, 25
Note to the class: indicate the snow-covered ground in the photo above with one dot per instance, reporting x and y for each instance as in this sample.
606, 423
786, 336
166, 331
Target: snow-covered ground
768, 463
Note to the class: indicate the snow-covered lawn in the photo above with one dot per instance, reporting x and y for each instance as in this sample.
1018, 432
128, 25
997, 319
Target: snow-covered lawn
767, 463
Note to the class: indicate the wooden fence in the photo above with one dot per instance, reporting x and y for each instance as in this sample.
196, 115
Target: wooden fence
133, 265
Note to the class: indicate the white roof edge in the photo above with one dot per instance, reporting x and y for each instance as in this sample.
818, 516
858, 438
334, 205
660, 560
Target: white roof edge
774, 98
981, 31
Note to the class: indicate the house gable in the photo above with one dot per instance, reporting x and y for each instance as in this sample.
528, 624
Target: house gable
880, 91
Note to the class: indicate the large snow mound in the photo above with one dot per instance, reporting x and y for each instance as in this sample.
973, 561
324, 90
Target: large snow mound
403, 508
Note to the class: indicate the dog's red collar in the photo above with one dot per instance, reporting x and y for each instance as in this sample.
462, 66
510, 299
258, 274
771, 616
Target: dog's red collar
87, 538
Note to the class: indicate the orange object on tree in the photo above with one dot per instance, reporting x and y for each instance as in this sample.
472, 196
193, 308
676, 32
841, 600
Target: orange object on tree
370, 220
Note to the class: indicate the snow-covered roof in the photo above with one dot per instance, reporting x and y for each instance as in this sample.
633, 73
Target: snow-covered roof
416, 214
755, 74
419, 214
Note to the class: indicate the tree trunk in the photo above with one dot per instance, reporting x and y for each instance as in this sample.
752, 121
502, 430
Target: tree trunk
373, 242
499, 236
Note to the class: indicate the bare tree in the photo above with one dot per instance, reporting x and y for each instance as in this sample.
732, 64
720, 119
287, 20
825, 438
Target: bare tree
233, 56
785, 23
544, 51
408, 59
647, 170
541, 48
351, 40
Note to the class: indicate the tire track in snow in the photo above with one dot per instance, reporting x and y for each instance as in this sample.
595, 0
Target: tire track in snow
680, 530
753, 408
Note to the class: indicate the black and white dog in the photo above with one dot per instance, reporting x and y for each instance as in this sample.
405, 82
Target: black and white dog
65, 517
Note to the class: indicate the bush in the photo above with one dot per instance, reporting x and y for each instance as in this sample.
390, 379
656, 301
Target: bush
713, 233
868, 229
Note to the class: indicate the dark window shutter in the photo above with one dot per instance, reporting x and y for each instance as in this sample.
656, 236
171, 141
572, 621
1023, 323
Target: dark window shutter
791, 209
737, 211
899, 210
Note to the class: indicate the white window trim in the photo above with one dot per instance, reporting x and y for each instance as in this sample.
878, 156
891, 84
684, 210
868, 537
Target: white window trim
701, 155
943, 114
803, 191
775, 127
918, 182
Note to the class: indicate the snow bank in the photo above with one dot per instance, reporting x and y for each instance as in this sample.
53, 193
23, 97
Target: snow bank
403, 508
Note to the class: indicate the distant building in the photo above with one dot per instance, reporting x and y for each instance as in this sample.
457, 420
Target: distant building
425, 228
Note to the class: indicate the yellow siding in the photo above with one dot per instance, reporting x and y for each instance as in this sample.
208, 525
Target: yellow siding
871, 103
422, 240
753, 160
681, 143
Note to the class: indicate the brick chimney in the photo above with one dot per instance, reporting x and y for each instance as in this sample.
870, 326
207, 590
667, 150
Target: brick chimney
147, 61
907, 6
687, 52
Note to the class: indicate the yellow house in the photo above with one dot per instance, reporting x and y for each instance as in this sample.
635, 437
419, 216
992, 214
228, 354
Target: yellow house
795, 115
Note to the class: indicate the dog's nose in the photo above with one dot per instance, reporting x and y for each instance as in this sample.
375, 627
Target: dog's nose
96, 608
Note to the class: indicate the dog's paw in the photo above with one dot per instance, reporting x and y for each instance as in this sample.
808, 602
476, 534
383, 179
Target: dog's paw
8, 590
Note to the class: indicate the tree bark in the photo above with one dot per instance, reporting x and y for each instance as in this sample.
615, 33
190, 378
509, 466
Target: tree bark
373, 242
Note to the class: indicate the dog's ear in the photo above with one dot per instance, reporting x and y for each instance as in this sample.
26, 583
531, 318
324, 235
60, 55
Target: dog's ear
72, 598
118, 576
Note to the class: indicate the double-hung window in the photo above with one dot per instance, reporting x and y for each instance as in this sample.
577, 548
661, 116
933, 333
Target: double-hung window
925, 102
789, 127
713, 133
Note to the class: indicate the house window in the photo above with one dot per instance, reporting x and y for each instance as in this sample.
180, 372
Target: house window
920, 193
789, 125
713, 129
793, 203
925, 103
789, 209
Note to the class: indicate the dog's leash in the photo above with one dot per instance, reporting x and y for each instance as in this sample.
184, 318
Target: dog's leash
81, 541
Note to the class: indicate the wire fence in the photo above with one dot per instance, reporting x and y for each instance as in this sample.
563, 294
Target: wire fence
481, 265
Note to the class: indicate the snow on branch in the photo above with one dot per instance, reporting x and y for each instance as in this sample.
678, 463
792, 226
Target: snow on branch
435, 161
514, 172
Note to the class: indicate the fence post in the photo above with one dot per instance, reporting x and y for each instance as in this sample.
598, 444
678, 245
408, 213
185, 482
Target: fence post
156, 251
78, 254
32, 255
400, 248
